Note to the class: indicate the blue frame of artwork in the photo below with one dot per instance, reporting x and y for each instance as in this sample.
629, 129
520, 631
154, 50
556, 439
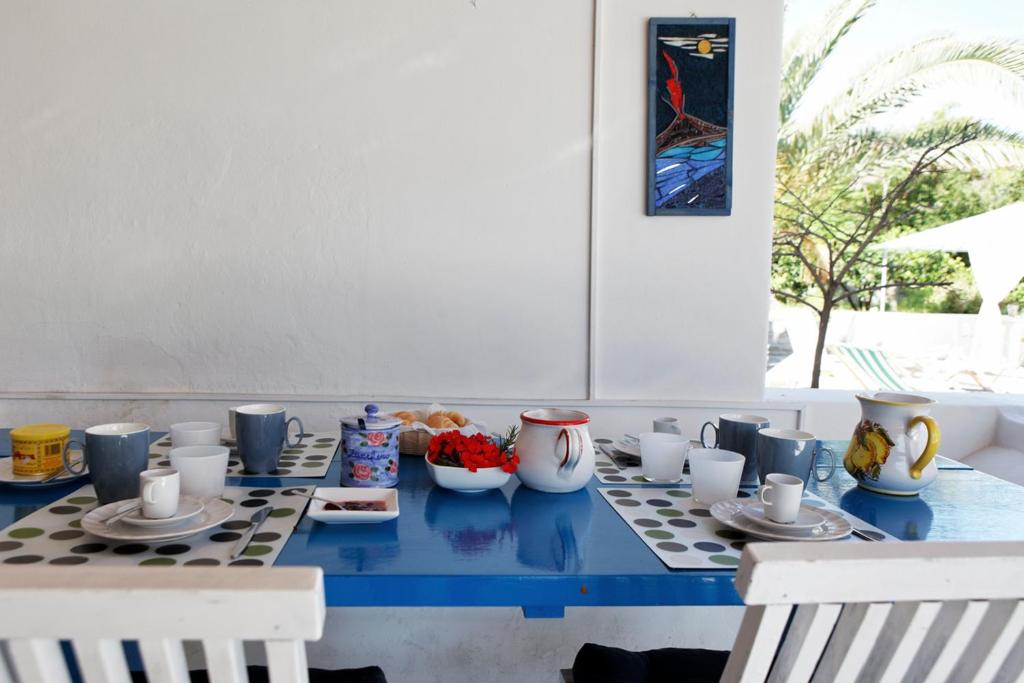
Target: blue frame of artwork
704, 170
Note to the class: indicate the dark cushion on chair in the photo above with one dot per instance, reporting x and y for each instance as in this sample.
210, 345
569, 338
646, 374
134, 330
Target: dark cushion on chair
600, 664
258, 674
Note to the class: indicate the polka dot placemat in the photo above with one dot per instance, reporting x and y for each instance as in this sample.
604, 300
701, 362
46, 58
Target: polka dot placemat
608, 471
684, 535
53, 535
311, 458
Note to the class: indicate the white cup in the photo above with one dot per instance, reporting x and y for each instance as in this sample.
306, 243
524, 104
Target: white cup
662, 456
159, 490
195, 434
231, 422
715, 474
202, 469
780, 495
667, 425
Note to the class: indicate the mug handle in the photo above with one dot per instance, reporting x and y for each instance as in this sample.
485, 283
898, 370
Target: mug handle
705, 426
573, 450
67, 461
147, 489
832, 463
761, 495
302, 431
930, 449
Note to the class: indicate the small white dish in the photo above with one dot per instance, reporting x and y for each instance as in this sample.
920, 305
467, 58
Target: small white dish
9, 478
730, 513
807, 518
215, 512
462, 480
341, 495
628, 447
188, 507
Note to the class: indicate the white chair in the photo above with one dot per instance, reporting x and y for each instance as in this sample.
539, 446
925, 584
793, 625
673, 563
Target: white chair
96, 608
864, 612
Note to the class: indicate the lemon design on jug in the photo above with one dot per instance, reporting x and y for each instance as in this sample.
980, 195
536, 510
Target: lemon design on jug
868, 451
893, 446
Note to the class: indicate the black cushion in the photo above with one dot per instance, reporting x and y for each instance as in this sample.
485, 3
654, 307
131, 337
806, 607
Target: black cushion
600, 664
258, 674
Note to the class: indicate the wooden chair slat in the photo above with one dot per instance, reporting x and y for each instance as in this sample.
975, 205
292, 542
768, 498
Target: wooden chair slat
286, 661
899, 641
164, 659
101, 661
38, 660
964, 622
756, 643
225, 660
1012, 669
999, 630
851, 642
805, 640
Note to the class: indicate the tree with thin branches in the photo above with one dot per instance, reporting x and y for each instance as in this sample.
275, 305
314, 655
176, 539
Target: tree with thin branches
844, 183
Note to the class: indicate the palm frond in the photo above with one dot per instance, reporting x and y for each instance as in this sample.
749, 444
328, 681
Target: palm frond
928, 65
807, 51
991, 147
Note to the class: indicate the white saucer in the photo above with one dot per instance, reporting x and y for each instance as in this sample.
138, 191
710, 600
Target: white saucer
730, 513
8, 477
215, 512
807, 518
627, 447
188, 507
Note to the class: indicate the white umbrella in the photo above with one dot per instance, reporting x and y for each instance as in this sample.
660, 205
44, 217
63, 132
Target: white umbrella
995, 242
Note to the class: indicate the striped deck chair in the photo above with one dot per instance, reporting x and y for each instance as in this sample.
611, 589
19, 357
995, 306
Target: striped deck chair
871, 367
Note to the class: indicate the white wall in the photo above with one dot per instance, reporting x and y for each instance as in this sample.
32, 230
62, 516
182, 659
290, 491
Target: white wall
353, 199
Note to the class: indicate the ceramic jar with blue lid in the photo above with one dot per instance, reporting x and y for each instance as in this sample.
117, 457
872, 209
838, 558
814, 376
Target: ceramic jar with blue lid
369, 449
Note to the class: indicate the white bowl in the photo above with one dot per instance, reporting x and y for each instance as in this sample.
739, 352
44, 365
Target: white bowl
340, 494
195, 434
462, 480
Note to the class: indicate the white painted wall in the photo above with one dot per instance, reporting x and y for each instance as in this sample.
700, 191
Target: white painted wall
351, 199
682, 302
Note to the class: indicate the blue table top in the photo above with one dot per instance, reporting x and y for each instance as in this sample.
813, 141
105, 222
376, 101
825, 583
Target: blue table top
518, 547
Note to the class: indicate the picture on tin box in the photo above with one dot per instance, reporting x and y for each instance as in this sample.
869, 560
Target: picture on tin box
689, 128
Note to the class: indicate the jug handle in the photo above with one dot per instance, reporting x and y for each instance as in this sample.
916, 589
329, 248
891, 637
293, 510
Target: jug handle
930, 449
573, 449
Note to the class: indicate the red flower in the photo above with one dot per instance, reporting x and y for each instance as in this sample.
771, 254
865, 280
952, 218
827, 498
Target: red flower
453, 449
376, 438
361, 471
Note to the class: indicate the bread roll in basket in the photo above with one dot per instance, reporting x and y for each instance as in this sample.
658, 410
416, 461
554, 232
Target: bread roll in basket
419, 426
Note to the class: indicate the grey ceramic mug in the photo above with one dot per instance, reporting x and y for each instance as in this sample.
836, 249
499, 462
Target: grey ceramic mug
738, 433
116, 455
261, 431
791, 451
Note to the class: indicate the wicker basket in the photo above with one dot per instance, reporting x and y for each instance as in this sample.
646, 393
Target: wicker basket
413, 442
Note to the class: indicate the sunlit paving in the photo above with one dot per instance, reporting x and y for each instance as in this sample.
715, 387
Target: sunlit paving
591, 341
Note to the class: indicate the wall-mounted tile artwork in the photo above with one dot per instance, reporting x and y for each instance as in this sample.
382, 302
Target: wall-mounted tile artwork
689, 129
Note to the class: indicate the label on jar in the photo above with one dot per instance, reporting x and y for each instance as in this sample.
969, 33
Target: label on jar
37, 457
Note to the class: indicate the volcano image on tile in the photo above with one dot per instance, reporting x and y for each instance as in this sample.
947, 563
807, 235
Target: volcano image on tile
689, 137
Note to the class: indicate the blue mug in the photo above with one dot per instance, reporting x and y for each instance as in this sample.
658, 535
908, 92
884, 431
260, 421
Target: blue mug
261, 431
116, 454
790, 451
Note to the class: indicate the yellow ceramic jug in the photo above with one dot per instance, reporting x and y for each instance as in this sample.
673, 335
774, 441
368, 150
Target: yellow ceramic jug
893, 446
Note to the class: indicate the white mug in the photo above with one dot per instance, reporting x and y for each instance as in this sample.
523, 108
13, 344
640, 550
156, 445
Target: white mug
202, 469
715, 474
662, 457
667, 425
195, 434
780, 495
159, 490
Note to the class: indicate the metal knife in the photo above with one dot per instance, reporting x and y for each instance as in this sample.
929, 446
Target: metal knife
255, 522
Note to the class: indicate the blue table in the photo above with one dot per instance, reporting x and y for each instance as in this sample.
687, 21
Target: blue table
543, 552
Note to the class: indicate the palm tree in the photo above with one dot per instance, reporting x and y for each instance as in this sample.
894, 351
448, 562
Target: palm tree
843, 181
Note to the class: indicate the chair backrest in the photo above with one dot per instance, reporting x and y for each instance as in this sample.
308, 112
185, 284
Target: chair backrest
96, 608
880, 612
871, 367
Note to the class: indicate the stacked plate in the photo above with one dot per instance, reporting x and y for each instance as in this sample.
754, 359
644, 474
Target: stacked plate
8, 477
193, 516
811, 524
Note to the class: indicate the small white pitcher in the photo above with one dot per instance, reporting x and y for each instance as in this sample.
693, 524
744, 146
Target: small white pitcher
555, 452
